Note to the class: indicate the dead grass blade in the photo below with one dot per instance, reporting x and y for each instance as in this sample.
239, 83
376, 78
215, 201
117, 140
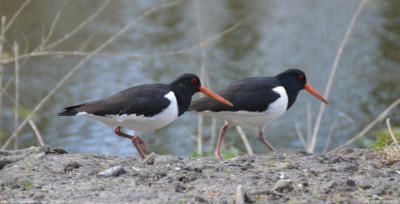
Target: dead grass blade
83, 61
379, 118
332, 73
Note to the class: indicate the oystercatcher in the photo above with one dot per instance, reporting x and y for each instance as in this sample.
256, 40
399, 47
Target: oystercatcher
145, 107
257, 101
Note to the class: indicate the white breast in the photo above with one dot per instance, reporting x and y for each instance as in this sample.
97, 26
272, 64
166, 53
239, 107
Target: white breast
141, 123
255, 119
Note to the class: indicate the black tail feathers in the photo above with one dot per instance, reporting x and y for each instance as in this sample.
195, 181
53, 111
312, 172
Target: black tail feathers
70, 111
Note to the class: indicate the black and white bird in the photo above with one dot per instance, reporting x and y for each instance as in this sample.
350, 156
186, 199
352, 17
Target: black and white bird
145, 107
257, 101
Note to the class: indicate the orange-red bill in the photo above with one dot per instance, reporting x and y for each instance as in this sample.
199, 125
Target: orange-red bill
214, 96
315, 93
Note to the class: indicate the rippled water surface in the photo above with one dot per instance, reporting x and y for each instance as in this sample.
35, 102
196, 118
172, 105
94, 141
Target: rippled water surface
239, 39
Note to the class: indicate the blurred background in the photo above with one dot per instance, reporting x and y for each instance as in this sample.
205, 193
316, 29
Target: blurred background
230, 39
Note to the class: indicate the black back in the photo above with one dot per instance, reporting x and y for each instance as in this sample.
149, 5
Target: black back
147, 100
254, 94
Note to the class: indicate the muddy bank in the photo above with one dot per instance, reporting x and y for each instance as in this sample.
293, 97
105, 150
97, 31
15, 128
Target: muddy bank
46, 174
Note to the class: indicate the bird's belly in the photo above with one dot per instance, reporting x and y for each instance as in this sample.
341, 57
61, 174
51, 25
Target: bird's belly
255, 119
140, 123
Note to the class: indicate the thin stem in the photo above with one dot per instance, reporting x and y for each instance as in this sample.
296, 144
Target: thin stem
300, 136
245, 140
202, 74
332, 74
20, 9
176, 52
361, 134
328, 140
83, 61
213, 132
16, 94
2, 24
79, 27
391, 132
37, 133
53, 25
309, 124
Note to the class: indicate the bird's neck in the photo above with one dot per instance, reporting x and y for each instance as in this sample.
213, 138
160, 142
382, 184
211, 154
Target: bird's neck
183, 102
291, 92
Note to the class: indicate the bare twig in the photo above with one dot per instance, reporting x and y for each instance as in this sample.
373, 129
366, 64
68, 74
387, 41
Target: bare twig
309, 124
16, 94
391, 132
15, 16
86, 42
37, 133
213, 132
328, 140
79, 65
79, 27
200, 134
300, 136
379, 118
53, 25
2, 24
239, 195
84, 54
245, 140
202, 75
332, 74
191, 135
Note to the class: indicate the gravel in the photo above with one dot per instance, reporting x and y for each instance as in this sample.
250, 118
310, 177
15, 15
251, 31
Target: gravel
51, 175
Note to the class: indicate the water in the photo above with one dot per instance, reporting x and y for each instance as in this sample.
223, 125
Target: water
272, 36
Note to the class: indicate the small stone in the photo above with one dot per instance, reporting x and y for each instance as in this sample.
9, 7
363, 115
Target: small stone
351, 183
71, 166
113, 171
179, 187
283, 186
375, 197
148, 161
199, 199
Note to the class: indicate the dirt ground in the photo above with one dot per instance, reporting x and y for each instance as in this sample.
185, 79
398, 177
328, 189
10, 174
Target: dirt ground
51, 175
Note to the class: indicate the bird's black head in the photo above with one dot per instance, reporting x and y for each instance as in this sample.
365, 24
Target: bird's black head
187, 84
295, 80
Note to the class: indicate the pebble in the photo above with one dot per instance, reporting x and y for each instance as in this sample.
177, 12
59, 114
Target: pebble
113, 171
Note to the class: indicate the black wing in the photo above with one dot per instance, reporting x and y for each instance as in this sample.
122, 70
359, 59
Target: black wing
252, 94
147, 100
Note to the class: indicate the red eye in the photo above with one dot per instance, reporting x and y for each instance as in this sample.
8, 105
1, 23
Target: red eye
194, 81
301, 76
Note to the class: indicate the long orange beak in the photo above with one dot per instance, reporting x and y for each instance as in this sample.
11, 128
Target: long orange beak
214, 96
315, 93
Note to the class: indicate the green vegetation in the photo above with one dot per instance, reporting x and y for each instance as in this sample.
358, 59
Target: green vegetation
226, 154
27, 186
381, 139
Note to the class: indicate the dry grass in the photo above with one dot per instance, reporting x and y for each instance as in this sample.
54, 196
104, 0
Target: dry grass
391, 153
392, 150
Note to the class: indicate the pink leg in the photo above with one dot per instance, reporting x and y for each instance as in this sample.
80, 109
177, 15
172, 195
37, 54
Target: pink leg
220, 138
263, 140
136, 140
141, 142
